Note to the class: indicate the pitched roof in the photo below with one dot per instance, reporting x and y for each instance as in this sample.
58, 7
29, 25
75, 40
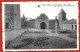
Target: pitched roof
43, 16
72, 21
62, 11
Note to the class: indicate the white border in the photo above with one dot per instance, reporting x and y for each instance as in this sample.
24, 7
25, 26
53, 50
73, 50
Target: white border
3, 32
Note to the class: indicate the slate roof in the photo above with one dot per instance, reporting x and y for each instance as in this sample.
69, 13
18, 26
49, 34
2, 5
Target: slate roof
62, 11
72, 21
43, 16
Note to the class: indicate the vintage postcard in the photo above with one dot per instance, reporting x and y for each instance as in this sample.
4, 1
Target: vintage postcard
36, 26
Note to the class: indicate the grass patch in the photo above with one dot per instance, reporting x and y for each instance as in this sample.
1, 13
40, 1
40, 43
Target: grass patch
68, 32
62, 43
35, 32
73, 36
44, 42
7, 44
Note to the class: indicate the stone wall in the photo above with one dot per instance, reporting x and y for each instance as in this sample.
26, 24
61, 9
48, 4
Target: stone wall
32, 23
17, 18
12, 12
52, 24
39, 21
69, 26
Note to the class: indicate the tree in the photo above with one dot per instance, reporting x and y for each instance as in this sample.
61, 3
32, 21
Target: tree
23, 19
26, 24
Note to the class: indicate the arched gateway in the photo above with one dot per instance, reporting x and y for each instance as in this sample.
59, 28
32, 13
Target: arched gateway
42, 22
43, 25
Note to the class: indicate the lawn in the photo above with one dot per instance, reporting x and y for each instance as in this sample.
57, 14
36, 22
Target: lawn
73, 36
39, 41
69, 33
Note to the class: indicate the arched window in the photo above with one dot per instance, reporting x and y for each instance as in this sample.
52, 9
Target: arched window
7, 23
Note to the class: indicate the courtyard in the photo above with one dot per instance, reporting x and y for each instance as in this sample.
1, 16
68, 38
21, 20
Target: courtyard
40, 39
48, 28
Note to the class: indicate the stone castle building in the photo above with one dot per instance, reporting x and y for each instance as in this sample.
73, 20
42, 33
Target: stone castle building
70, 24
13, 20
43, 22
12, 16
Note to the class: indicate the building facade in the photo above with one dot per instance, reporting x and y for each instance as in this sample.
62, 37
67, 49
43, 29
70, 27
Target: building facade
13, 20
70, 24
43, 22
12, 16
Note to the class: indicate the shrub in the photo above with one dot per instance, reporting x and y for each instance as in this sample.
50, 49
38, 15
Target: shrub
43, 38
73, 36
73, 44
7, 44
41, 42
19, 46
28, 40
38, 32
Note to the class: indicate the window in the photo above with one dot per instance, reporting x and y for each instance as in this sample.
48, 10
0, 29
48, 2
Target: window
72, 27
75, 27
7, 25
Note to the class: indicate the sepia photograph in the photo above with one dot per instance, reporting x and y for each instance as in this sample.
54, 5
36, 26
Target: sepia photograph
40, 25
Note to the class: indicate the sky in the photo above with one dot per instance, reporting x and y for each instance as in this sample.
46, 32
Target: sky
51, 9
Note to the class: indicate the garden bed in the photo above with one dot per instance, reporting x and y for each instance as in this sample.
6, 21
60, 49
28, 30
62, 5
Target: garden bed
44, 42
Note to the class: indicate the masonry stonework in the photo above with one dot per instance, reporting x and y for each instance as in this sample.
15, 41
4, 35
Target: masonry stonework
12, 16
62, 18
42, 22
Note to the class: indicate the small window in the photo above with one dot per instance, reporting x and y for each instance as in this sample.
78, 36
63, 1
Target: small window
75, 27
7, 25
72, 27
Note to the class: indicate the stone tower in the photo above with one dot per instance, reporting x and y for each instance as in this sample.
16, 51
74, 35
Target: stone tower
62, 18
12, 16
